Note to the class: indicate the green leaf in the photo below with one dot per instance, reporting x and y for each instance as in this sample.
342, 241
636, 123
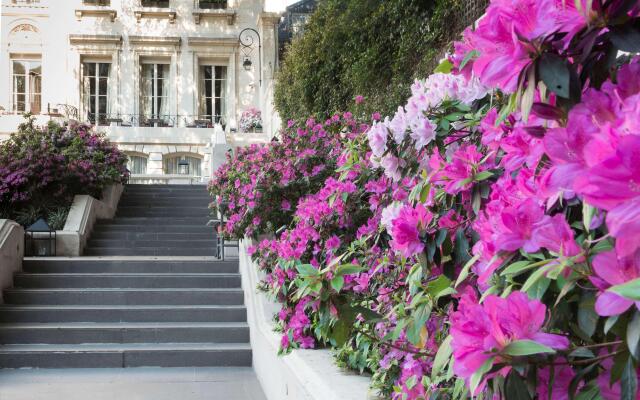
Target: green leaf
517, 267
341, 331
587, 215
461, 248
337, 283
609, 323
629, 382
307, 270
424, 193
348, 269
554, 72
445, 67
465, 270
468, 57
437, 286
533, 278
481, 176
525, 348
629, 290
515, 387
477, 376
588, 393
587, 316
539, 288
442, 356
582, 352
626, 38
633, 335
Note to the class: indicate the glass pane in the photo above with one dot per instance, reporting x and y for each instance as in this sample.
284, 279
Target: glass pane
161, 71
36, 84
209, 108
218, 108
102, 105
207, 89
19, 85
92, 85
160, 87
35, 104
90, 69
36, 67
221, 72
19, 67
103, 86
207, 72
20, 102
92, 105
219, 88
104, 69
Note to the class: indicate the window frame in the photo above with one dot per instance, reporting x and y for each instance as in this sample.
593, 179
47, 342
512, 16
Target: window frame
29, 95
97, 77
215, 99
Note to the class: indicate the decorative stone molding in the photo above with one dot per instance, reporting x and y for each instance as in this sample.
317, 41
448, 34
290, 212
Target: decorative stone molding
114, 40
229, 15
213, 42
267, 18
155, 41
155, 13
97, 12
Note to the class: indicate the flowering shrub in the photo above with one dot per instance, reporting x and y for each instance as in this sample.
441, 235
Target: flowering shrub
41, 169
250, 119
484, 241
259, 186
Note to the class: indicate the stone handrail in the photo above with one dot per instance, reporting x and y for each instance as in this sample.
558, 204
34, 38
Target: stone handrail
11, 251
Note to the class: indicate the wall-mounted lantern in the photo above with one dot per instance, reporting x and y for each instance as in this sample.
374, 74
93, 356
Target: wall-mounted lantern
246, 39
40, 240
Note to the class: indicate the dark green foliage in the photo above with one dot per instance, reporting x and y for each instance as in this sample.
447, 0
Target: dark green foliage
371, 48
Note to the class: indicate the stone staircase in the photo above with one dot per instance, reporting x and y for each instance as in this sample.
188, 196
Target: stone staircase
147, 293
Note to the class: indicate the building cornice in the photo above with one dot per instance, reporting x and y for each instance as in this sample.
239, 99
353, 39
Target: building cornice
155, 40
95, 39
227, 14
207, 41
269, 18
97, 12
152, 12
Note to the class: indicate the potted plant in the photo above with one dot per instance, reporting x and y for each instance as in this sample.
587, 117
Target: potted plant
251, 120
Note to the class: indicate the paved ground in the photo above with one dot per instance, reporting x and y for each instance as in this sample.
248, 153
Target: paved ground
130, 384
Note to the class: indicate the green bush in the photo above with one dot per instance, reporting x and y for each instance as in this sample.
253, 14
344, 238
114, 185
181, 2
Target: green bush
371, 48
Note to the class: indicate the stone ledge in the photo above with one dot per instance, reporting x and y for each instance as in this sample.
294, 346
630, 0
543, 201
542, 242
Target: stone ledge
97, 12
11, 251
301, 375
84, 212
228, 14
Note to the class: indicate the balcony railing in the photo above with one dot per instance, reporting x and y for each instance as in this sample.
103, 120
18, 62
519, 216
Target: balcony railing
155, 3
155, 121
24, 2
96, 2
211, 4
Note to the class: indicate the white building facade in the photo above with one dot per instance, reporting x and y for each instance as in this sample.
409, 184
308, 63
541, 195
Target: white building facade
160, 77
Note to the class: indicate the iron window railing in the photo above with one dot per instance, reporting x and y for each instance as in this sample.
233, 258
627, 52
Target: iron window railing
96, 2
212, 4
156, 121
25, 1
155, 3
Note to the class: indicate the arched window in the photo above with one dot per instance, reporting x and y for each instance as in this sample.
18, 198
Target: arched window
137, 163
182, 164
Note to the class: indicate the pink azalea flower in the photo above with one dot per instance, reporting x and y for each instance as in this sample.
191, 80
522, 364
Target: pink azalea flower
359, 99
517, 226
480, 330
562, 376
611, 270
407, 228
377, 136
555, 234
423, 132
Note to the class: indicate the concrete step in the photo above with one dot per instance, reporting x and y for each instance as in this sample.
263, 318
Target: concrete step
118, 265
124, 332
149, 251
126, 355
124, 235
191, 296
144, 201
202, 242
122, 227
88, 280
163, 221
159, 212
81, 313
